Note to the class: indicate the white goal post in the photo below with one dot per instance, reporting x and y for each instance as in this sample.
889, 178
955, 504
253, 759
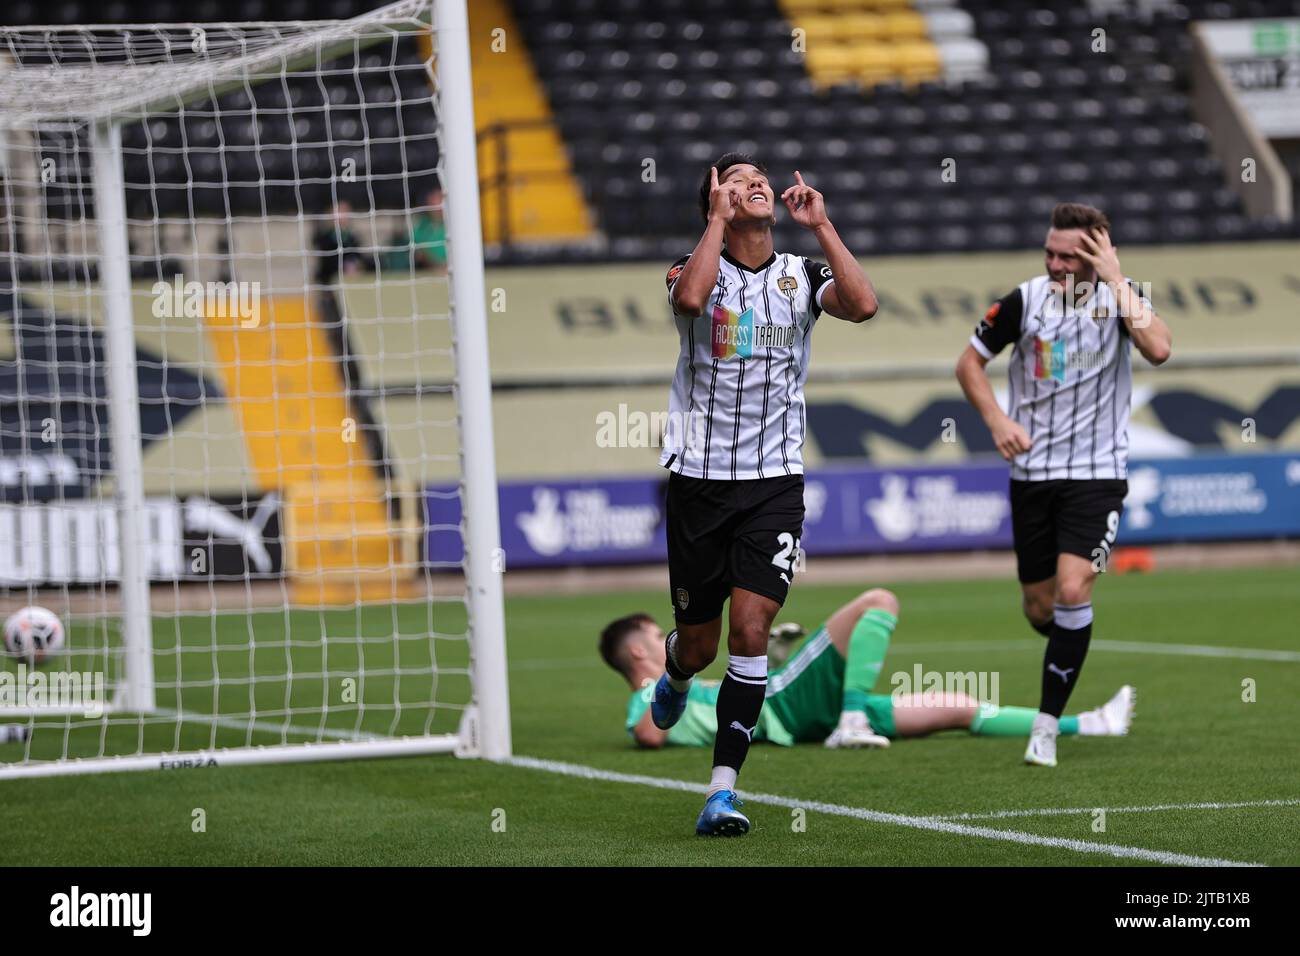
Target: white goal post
243, 352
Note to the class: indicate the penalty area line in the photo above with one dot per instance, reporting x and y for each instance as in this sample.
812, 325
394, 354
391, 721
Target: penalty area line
933, 824
1153, 808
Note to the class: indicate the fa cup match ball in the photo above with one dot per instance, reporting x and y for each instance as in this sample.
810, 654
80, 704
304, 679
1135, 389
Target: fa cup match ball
33, 634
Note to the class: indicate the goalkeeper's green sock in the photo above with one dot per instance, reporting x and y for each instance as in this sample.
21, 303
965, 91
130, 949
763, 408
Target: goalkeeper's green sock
993, 721
868, 645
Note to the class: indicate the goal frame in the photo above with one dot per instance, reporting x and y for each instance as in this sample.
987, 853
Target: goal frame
484, 729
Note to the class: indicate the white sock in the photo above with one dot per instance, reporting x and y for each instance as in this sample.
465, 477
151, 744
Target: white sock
751, 670
1044, 721
724, 778
1091, 724
670, 649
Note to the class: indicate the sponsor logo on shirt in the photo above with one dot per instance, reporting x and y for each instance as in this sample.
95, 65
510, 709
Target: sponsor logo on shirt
738, 335
1052, 361
1049, 359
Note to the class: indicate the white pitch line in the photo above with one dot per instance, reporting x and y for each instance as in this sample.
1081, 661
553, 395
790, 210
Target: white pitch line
1153, 808
1199, 650
877, 816
1128, 647
265, 726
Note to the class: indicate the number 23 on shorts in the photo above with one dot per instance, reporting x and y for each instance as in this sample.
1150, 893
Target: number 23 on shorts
789, 553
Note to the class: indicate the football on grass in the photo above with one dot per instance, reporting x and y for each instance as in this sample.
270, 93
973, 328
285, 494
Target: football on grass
33, 634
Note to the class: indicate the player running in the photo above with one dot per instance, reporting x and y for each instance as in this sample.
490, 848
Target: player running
1065, 433
744, 315
831, 679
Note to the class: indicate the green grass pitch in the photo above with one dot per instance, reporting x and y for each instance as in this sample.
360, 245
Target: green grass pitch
1195, 740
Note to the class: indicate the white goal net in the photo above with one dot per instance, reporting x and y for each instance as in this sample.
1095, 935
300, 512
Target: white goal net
245, 434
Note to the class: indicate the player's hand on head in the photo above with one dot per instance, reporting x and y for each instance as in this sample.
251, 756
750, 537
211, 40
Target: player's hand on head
1011, 439
1095, 248
724, 198
806, 205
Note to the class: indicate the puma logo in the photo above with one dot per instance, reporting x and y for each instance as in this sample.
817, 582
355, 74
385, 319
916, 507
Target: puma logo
1063, 674
748, 732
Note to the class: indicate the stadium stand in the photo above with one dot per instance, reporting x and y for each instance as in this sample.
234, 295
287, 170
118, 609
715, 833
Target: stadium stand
668, 80
883, 92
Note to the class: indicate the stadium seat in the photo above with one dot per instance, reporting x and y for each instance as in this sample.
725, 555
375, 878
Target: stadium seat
963, 57
985, 80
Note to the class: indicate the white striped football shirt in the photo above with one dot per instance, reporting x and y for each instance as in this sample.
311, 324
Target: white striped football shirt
736, 410
1071, 380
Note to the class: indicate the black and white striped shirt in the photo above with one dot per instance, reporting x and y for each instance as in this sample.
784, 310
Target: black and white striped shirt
736, 410
1071, 379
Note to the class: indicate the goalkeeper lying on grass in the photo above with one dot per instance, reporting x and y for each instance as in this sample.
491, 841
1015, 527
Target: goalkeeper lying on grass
824, 690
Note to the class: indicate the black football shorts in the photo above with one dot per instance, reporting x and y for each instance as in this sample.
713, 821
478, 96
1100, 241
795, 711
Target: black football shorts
1065, 516
731, 534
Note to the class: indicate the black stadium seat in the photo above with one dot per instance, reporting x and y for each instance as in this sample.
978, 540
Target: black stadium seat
682, 80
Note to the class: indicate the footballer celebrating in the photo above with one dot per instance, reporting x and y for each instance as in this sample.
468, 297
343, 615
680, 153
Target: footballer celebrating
1065, 433
744, 315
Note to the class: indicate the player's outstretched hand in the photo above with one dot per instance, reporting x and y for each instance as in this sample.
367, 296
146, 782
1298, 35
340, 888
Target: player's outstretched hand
724, 200
1011, 439
1097, 250
805, 203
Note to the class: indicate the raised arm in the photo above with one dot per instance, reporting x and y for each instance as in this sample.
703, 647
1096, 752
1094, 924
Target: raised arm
1149, 332
695, 284
852, 296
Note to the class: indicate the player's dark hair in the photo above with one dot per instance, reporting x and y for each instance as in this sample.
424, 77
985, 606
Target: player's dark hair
615, 635
1075, 215
722, 164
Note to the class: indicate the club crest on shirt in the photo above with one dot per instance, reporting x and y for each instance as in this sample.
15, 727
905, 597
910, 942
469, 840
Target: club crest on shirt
788, 284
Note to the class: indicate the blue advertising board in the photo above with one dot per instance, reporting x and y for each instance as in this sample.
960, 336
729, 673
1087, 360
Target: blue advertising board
882, 510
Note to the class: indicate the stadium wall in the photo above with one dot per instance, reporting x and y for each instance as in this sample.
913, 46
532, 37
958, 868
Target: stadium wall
582, 356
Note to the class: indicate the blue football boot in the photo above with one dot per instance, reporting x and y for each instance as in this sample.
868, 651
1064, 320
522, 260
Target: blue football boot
667, 705
720, 816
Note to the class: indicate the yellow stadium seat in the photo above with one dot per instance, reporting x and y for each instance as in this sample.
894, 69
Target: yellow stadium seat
795, 8
832, 58
874, 63
818, 29
877, 6
917, 61
859, 27
905, 25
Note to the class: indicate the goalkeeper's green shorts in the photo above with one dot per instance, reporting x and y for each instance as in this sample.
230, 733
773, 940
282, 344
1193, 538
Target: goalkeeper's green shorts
807, 693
